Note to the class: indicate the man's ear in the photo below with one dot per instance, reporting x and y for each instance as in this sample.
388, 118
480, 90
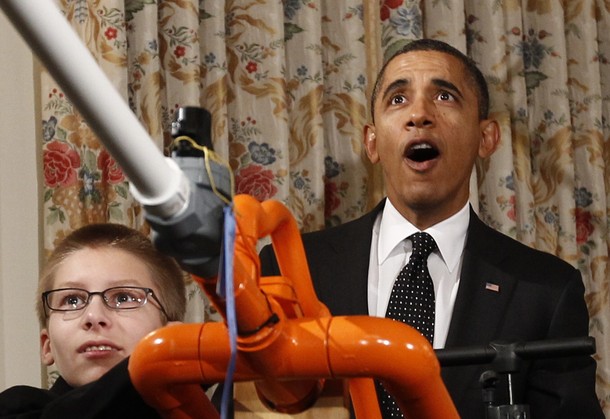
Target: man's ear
370, 143
490, 132
46, 353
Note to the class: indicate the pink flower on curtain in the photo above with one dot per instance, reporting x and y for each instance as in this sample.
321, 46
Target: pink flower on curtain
111, 172
584, 227
251, 67
60, 164
180, 51
110, 33
256, 181
386, 6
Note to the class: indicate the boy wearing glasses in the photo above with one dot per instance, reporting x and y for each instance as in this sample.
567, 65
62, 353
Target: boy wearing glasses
103, 289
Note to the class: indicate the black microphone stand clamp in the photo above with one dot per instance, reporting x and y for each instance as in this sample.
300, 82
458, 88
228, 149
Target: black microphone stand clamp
506, 362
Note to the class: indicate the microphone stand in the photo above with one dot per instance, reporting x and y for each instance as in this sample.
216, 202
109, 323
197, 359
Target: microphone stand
507, 358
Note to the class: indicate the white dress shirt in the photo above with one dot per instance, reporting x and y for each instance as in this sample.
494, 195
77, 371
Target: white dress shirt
390, 252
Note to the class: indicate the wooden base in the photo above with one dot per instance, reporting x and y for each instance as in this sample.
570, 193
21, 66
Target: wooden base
332, 404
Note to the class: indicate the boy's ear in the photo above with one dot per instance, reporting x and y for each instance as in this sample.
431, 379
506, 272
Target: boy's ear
46, 354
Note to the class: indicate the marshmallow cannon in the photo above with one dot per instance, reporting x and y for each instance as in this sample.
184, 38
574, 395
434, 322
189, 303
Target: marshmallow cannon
288, 344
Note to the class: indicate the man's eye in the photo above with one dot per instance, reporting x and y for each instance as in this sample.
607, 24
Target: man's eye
445, 96
397, 100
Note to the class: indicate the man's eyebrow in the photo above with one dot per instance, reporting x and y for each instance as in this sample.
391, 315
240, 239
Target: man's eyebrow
392, 87
448, 85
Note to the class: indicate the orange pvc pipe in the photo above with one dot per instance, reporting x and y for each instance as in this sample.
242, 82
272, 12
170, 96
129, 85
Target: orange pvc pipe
364, 398
290, 253
283, 354
303, 349
360, 346
169, 365
289, 357
161, 368
254, 221
363, 346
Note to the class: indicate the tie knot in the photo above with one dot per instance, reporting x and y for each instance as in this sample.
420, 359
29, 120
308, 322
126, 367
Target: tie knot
423, 245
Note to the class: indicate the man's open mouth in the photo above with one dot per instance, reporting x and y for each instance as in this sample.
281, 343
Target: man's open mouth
421, 152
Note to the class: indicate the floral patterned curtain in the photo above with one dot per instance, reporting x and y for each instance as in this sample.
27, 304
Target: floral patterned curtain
287, 83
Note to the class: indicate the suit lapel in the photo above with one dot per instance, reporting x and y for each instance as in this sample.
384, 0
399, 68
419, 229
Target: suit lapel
482, 298
342, 259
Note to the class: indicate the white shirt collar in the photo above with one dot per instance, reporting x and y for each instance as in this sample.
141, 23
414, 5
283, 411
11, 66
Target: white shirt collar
449, 234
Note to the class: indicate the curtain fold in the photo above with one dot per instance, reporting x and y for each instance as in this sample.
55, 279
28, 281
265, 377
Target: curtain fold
288, 85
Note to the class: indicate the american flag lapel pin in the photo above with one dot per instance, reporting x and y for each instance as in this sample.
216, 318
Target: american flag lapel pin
490, 286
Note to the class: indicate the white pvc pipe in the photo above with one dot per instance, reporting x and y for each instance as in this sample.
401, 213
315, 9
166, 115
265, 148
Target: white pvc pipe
159, 186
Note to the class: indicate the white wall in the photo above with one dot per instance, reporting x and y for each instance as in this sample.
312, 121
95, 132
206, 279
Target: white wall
19, 212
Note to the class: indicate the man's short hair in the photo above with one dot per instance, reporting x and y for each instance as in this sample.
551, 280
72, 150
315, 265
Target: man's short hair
475, 76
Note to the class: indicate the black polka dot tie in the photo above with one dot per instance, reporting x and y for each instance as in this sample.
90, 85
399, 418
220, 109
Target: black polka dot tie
411, 302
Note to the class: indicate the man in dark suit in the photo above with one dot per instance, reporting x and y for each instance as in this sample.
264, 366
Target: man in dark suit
429, 124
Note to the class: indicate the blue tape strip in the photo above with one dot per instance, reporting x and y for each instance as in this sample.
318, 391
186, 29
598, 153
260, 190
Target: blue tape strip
226, 291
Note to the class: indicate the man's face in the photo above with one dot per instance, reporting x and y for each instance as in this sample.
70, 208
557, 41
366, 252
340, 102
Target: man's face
85, 344
427, 135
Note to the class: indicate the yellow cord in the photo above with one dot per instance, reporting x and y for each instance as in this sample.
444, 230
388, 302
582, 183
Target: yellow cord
210, 155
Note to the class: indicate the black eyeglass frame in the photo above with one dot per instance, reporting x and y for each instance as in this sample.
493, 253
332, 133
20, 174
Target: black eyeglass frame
90, 294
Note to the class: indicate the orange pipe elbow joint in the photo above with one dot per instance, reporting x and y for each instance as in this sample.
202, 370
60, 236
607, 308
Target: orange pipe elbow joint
163, 367
363, 346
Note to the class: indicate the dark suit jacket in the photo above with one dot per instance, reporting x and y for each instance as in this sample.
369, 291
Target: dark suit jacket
540, 297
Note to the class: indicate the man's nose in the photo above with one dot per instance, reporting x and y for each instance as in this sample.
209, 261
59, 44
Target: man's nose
421, 113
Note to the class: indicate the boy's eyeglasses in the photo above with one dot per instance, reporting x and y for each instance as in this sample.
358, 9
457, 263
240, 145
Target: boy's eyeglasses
116, 298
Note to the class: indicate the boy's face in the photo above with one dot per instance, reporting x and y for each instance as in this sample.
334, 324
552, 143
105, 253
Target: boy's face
427, 135
85, 344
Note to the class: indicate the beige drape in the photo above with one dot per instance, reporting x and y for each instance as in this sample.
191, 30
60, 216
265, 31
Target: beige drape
287, 83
